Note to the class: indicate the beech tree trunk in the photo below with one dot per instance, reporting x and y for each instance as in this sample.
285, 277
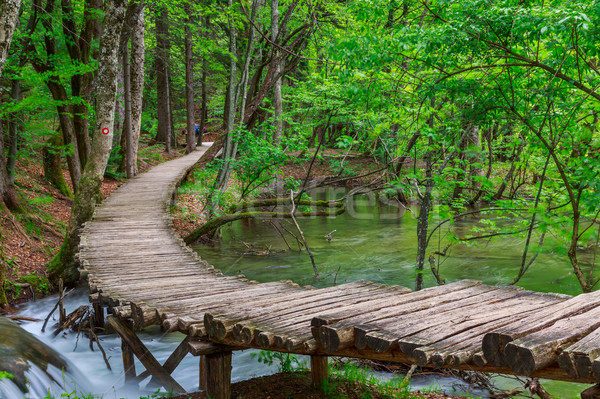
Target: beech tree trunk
137, 87
162, 77
13, 131
131, 86
221, 181
64, 264
9, 18
189, 84
127, 132
277, 98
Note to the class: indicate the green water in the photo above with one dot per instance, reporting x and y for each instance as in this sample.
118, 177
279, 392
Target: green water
377, 242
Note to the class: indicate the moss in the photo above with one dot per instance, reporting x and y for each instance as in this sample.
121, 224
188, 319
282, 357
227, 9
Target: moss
40, 284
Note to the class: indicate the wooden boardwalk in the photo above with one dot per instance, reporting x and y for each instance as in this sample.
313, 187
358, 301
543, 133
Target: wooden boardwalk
141, 270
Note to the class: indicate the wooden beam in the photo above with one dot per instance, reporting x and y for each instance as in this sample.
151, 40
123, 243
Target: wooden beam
592, 392
199, 348
143, 354
128, 360
98, 315
202, 372
173, 361
218, 375
319, 370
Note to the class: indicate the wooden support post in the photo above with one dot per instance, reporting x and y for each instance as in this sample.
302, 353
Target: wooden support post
591, 393
319, 371
202, 384
161, 375
128, 360
218, 375
98, 316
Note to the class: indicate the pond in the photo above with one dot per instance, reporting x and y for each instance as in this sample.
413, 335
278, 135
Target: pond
377, 242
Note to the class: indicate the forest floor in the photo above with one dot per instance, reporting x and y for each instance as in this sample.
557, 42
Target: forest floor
296, 385
30, 238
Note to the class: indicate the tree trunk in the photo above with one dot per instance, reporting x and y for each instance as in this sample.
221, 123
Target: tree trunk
511, 172
9, 18
52, 164
221, 182
119, 137
89, 194
137, 87
3, 271
138, 51
13, 131
203, 111
189, 84
162, 80
277, 98
127, 130
423, 220
7, 190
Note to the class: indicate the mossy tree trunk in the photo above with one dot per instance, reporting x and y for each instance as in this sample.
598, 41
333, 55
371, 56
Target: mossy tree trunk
9, 17
52, 165
3, 271
88, 194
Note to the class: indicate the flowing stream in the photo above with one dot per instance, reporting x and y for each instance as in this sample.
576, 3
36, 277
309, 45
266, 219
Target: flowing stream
86, 371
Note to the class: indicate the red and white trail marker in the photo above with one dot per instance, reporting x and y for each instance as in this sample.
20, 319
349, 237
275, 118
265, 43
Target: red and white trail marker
105, 131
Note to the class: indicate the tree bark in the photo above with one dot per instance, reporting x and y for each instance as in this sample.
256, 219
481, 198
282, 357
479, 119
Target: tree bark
162, 80
7, 190
221, 181
9, 19
277, 98
13, 131
138, 51
189, 84
127, 129
52, 164
64, 264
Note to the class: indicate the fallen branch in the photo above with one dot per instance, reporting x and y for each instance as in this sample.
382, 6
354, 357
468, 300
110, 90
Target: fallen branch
219, 221
71, 319
93, 338
312, 258
54, 309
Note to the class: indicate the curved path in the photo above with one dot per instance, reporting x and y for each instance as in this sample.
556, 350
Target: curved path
140, 269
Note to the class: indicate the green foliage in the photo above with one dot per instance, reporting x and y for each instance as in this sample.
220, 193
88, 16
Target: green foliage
4, 375
286, 362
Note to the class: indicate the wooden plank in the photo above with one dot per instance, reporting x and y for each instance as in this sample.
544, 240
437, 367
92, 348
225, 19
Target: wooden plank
144, 355
578, 358
540, 349
439, 322
359, 310
494, 343
348, 332
475, 323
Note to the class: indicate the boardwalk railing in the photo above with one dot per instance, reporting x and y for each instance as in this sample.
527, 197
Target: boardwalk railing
141, 270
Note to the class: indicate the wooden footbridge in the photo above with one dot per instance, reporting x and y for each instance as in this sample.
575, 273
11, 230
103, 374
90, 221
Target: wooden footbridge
141, 270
